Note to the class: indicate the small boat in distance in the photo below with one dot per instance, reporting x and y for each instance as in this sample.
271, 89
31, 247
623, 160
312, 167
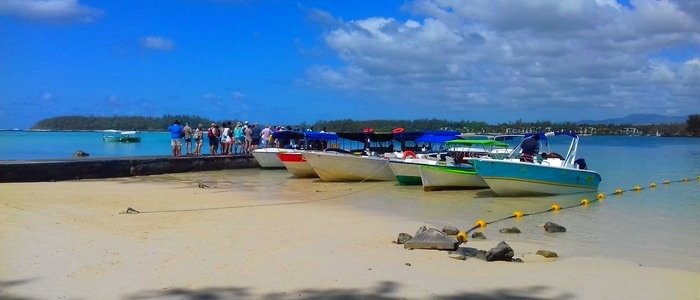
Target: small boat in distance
121, 136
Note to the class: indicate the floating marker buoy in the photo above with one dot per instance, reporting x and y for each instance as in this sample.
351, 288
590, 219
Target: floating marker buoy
600, 197
637, 188
555, 207
462, 237
698, 178
585, 201
618, 192
518, 214
652, 185
481, 223
667, 182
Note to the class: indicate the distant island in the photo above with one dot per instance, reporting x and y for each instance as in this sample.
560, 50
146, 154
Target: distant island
630, 125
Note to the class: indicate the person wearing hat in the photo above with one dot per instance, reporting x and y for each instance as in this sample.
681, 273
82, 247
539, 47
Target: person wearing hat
198, 137
213, 134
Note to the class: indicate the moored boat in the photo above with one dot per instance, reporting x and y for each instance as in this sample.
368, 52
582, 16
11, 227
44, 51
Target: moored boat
407, 171
285, 141
450, 177
121, 136
267, 157
552, 174
338, 166
406, 166
297, 164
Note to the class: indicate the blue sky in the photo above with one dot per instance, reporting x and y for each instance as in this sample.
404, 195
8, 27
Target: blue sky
286, 62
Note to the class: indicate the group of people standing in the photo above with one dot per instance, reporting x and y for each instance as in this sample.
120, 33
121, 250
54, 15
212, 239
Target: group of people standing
240, 139
179, 132
224, 139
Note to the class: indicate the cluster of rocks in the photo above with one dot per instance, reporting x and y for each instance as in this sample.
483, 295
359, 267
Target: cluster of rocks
80, 153
450, 237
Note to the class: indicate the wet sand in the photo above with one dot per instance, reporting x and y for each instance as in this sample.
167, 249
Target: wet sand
235, 240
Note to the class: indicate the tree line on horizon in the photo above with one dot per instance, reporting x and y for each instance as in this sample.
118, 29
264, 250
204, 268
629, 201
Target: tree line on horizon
142, 123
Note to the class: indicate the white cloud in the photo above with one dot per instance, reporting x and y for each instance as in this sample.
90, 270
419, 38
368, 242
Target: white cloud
157, 43
52, 11
578, 53
47, 97
237, 95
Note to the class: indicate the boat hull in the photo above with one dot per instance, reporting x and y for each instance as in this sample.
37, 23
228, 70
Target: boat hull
332, 166
407, 171
122, 139
267, 157
450, 177
297, 164
511, 178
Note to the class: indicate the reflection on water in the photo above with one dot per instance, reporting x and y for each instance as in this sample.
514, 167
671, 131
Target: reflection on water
651, 227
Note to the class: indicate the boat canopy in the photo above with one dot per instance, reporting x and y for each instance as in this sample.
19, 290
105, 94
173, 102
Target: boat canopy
543, 135
430, 138
489, 143
287, 134
312, 135
363, 137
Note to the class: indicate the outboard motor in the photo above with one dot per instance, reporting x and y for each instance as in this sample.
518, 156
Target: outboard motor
581, 163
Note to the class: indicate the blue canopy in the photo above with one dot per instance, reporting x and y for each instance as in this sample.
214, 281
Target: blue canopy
312, 135
288, 134
430, 138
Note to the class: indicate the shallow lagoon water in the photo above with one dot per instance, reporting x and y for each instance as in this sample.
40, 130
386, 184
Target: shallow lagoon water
653, 227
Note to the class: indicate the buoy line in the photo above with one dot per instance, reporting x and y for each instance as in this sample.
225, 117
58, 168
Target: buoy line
584, 202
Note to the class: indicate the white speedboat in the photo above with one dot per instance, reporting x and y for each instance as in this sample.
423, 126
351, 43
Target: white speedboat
550, 174
450, 177
407, 171
297, 164
338, 166
461, 174
267, 157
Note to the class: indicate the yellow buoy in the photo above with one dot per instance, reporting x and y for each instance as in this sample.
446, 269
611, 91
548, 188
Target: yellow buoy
637, 188
585, 201
652, 185
481, 224
618, 192
698, 178
462, 237
518, 214
555, 207
667, 182
600, 197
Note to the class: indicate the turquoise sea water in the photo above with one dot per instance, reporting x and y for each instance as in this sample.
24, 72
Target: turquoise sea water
32, 145
654, 227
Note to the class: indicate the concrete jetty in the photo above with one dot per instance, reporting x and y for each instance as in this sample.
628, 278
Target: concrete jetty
87, 168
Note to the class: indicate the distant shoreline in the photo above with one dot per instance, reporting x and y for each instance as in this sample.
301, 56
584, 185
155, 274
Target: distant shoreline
149, 131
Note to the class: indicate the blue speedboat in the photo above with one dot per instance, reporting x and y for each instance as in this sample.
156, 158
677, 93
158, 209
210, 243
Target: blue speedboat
548, 174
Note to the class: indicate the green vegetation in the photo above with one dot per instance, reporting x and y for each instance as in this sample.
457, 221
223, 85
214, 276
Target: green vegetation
691, 128
117, 122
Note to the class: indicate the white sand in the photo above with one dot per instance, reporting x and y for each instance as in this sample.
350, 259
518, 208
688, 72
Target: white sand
68, 240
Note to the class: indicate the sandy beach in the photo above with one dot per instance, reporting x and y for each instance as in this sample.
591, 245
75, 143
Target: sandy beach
65, 240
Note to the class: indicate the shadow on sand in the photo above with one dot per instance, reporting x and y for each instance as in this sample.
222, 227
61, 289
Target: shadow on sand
383, 290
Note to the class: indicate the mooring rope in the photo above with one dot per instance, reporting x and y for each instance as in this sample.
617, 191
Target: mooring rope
351, 192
